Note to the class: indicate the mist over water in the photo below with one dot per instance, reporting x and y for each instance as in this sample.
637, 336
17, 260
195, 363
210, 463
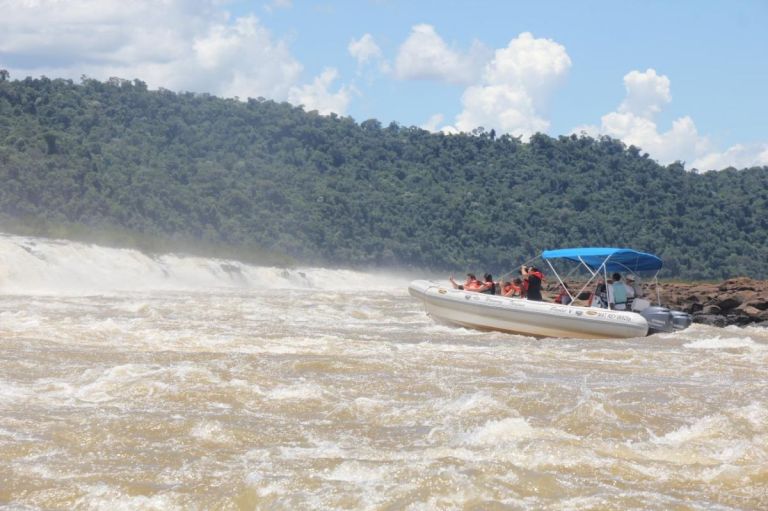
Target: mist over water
132, 382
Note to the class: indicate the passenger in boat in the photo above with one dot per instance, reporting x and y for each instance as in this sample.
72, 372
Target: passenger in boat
600, 296
617, 293
532, 282
633, 290
563, 297
489, 286
632, 284
514, 288
471, 284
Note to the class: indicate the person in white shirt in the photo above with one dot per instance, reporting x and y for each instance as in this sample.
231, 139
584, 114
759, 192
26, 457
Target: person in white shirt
633, 289
617, 293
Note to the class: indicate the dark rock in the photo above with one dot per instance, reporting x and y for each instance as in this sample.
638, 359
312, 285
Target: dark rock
738, 284
693, 308
760, 303
711, 309
738, 319
730, 302
734, 300
710, 319
753, 312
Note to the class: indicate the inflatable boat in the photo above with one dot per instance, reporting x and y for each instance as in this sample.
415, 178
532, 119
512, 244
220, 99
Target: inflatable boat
545, 319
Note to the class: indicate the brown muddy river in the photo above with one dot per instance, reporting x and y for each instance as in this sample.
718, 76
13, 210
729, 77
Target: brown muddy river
135, 383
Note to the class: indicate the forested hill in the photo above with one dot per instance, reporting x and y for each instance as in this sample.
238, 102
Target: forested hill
256, 173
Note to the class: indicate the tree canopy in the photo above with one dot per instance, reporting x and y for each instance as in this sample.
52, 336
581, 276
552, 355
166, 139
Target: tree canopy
264, 175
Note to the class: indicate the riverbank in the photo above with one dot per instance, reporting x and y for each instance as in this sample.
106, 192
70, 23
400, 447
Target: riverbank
738, 301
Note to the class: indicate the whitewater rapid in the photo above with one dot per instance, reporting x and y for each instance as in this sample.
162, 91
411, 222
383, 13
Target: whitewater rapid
137, 382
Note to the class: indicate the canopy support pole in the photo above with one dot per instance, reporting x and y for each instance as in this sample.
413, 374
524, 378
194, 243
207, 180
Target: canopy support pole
560, 281
604, 267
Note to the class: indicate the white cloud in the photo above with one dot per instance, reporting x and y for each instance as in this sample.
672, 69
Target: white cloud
241, 59
316, 95
177, 44
682, 139
515, 87
507, 108
364, 49
646, 93
278, 4
53, 33
433, 122
738, 156
535, 66
633, 122
424, 55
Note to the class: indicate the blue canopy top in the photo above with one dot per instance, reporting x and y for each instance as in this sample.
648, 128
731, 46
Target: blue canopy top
618, 259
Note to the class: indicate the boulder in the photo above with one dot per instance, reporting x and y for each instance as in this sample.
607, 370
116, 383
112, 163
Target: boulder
738, 319
727, 303
693, 308
759, 302
738, 284
733, 300
753, 312
710, 319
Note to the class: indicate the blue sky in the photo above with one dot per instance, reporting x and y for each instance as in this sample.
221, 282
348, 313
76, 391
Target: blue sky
684, 80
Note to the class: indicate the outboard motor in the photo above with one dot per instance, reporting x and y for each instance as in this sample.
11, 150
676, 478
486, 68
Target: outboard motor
663, 320
659, 319
681, 320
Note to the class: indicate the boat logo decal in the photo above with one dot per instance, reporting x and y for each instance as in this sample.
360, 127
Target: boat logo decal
568, 310
610, 315
442, 291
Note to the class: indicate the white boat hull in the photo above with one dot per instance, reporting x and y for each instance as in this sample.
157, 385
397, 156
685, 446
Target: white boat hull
516, 315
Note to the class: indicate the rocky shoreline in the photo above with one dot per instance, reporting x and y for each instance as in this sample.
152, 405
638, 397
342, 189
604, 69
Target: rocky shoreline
739, 301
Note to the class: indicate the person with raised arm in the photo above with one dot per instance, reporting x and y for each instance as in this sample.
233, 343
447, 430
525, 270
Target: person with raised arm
471, 284
532, 282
